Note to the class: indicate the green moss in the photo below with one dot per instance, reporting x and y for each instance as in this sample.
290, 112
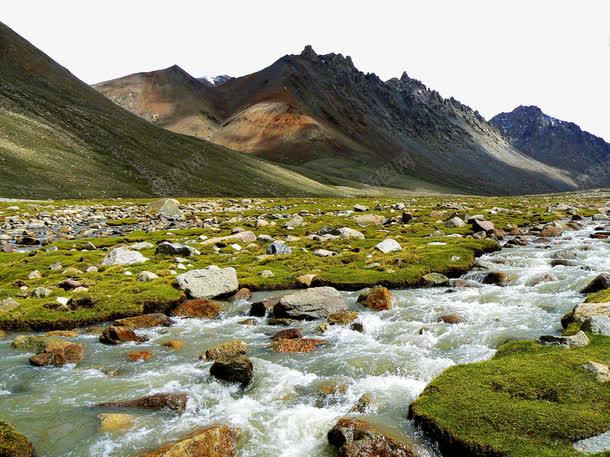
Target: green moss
125, 221
529, 400
13, 443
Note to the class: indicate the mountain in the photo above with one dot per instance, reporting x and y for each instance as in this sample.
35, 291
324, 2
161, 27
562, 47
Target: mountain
558, 143
215, 80
61, 138
320, 115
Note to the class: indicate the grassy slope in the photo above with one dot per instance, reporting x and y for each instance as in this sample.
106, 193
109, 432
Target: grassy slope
59, 138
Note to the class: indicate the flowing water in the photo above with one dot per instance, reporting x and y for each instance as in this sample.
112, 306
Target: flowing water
283, 412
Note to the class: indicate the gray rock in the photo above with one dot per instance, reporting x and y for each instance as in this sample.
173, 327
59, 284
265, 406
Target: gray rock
123, 256
388, 245
435, 279
241, 237
573, 341
314, 303
481, 225
360, 208
279, 248
601, 371
295, 221
208, 283
324, 253
595, 444
41, 292
455, 222
167, 207
8, 304
599, 325
146, 276
346, 232
174, 249
141, 245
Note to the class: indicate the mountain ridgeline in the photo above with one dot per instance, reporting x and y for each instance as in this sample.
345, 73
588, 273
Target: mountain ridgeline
61, 138
321, 115
558, 143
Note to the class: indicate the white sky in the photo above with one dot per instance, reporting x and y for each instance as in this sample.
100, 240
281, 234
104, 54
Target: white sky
492, 55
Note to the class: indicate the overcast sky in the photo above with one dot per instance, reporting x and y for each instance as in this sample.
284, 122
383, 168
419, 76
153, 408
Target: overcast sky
491, 55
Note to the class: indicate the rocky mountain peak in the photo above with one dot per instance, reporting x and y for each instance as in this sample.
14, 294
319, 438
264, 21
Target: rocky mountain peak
309, 53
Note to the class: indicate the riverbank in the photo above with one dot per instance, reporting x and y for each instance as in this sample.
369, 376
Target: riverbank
334, 242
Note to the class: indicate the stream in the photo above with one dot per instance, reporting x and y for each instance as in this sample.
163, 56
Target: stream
283, 413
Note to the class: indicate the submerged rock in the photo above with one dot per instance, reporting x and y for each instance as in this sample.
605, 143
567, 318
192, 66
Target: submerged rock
297, 344
342, 317
357, 438
13, 443
208, 283
111, 422
314, 303
214, 441
173, 402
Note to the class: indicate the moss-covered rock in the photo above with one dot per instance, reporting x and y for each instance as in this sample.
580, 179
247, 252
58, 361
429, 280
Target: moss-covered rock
13, 443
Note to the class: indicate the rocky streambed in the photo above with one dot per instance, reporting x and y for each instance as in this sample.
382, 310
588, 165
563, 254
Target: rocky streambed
369, 366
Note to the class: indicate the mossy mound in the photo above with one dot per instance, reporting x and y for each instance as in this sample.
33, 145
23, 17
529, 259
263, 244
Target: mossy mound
13, 443
529, 400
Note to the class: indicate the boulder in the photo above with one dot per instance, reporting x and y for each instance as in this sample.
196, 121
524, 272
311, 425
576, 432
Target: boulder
176, 345
262, 307
551, 230
295, 221
346, 232
35, 343
378, 298
241, 237
358, 438
146, 276
13, 443
367, 220
360, 208
214, 441
144, 321
175, 249
173, 402
199, 308
236, 370
600, 282
242, 294
573, 341
117, 335
209, 282
226, 350
324, 253
166, 207
8, 304
279, 248
451, 318
313, 303
297, 344
123, 256
598, 325
59, 353
479, 225
454, 222
388, 245
584, 311
306, 280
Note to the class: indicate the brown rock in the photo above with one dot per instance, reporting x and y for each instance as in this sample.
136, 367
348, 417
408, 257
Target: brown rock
358, 438
59, 353
288, 334
13, 443
378, 298
144, 321
200, 308
342, 317
176, 345
3, 334
499, 278
452, 318
482, 225
286, 322
136, 356
118, 335
551, 230
215, 441
242, 294
297, 344
226, 350
173, 402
